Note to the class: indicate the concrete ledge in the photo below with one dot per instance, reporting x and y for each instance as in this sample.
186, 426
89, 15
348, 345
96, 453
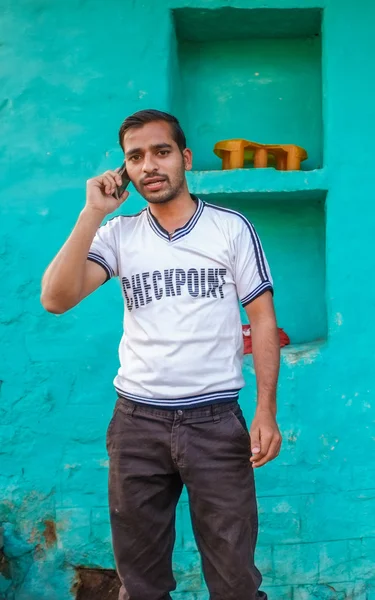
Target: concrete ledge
217, 186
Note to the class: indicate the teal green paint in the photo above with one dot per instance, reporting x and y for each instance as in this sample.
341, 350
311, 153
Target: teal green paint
299, 268
288, 210
264, 90
197, 25
70, 73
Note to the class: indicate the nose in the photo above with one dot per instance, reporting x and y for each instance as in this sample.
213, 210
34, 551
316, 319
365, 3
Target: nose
149, 163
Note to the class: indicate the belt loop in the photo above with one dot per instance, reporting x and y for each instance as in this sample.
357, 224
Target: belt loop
216, 416
128, 406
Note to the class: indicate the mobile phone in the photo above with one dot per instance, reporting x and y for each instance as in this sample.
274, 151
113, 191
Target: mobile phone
120, 189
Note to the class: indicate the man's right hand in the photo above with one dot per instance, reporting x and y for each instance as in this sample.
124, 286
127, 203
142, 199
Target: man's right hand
99, 192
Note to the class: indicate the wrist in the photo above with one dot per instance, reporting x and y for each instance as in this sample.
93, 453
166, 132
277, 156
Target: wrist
93, 214
266, 405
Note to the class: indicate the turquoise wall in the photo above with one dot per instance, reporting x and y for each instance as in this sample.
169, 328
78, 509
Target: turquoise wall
70, 72
266, 90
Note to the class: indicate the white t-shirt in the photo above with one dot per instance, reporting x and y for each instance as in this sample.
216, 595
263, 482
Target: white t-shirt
182, 344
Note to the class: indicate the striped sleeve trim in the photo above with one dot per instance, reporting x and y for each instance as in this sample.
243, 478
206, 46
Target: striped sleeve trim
263, 287
259, 255
102, 262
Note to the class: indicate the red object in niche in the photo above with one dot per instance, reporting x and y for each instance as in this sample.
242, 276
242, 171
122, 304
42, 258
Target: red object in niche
247, 343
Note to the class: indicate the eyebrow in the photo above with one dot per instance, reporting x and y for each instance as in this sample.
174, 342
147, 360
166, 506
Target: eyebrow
162, 146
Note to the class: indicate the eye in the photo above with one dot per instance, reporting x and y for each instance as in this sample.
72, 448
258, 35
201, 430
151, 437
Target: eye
163, 152
134, 158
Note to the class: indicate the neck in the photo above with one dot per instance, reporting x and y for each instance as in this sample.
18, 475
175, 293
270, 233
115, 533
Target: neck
175, 213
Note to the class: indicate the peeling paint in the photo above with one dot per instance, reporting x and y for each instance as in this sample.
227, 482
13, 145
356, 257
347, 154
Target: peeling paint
49, 533
339, 319
306, 356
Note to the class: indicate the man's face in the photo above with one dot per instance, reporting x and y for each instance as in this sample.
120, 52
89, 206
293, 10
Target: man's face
155, 163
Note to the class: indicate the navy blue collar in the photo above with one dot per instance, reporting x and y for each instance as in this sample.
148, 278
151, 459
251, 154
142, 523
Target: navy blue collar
181, 231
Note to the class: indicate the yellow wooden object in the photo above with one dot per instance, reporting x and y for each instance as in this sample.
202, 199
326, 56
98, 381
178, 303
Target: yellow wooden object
234, 153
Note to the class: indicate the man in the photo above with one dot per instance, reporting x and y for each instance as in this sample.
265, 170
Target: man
183, 266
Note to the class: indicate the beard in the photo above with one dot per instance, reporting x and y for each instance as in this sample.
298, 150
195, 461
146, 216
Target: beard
171, 188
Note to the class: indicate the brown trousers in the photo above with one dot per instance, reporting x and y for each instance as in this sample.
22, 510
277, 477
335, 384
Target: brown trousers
153, 453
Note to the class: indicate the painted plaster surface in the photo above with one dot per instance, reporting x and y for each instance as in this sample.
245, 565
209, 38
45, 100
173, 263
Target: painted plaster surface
70, 72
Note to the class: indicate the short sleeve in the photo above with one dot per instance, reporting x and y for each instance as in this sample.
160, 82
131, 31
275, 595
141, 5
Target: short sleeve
103, 248
252, 273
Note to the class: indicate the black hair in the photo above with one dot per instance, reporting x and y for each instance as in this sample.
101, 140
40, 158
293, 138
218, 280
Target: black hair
142, 117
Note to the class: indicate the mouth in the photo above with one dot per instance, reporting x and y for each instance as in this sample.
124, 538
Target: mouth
154, 184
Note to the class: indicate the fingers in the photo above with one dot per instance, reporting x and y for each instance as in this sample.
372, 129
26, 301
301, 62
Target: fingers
109, 181
260, 443
108, 185
269, 452
115, 175
255, 441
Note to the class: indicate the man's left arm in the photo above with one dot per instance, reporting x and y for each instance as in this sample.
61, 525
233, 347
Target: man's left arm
264, 432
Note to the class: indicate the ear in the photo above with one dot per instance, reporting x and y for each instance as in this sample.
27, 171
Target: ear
188, 159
